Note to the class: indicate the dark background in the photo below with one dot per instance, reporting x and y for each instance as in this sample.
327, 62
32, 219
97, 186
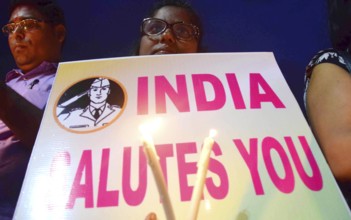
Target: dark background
294, 30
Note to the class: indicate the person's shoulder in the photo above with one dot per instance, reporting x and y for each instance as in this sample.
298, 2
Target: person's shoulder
113, 107
330, 55
78, 111
327, 55
72, 113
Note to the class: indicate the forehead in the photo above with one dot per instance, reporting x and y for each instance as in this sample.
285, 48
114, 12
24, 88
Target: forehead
173, 14
21, 12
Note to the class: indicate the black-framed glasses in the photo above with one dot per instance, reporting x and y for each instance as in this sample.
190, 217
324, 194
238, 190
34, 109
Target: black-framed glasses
25, 25
181, 30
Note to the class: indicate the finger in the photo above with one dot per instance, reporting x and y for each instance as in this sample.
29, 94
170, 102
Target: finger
151, 216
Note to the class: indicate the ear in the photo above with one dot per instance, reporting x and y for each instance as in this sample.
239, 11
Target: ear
60, 31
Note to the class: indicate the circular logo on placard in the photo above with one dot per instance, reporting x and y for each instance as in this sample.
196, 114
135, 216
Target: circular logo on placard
90, 105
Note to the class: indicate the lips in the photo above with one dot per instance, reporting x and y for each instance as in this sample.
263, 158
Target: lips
164, 50
18, 47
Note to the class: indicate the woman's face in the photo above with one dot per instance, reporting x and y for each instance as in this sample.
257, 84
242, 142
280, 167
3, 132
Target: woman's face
166, 42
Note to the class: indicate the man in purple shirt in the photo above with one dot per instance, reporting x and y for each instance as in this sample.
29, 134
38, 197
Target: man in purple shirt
36, 33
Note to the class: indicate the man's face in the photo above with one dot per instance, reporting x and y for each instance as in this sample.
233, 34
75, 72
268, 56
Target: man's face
99, 91
33, 46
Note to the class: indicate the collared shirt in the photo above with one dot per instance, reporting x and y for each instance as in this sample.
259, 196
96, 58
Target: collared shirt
34, 86
96, 112
83, 118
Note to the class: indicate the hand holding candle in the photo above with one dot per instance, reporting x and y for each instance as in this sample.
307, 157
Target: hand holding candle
154, 164
202, 167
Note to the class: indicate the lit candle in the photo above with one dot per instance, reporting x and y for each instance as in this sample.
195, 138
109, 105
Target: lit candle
202, 167
153, 161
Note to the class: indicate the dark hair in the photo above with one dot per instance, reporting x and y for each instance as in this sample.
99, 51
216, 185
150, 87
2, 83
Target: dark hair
177, 3
339, 12
48, 8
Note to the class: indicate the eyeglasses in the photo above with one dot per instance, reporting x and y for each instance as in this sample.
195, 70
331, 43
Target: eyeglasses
181, 30
25, 25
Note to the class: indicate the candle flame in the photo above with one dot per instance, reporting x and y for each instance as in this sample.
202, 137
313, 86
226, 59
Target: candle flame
213, 133
150, 127
208, 204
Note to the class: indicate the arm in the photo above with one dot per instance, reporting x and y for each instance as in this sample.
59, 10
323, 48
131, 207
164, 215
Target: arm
329, 112
22, 117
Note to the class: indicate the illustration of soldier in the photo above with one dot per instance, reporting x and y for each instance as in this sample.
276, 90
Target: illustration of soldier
91, 108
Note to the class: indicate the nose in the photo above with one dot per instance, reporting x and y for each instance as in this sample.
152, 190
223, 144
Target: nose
18, 28
168, 36
18, 32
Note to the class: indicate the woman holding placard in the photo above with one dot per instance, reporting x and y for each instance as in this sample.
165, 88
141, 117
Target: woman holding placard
171, 27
